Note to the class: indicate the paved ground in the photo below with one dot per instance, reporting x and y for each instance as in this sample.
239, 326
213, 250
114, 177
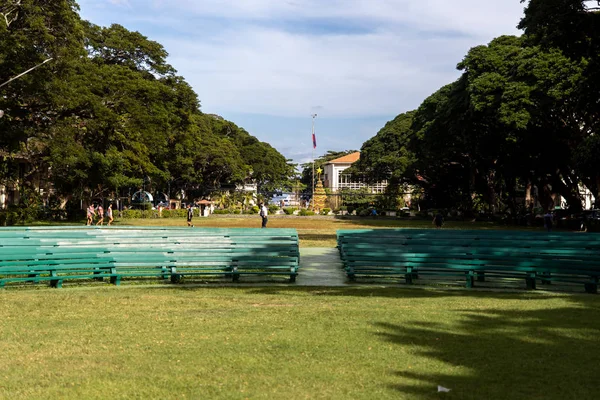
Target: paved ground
320, 266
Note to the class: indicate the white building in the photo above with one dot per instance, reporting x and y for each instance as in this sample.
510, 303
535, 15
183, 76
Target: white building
335, 179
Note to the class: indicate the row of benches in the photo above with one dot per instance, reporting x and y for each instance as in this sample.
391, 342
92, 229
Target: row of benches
472, 255
57, 254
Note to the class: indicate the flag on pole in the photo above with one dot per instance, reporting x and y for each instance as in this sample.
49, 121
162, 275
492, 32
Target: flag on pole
314, 141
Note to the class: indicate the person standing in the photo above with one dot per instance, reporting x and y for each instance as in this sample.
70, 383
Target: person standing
438, 220
100, 215
109, 214
190, 215
264, 212
548, 221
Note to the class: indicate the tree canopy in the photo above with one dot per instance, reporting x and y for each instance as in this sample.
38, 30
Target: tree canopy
524, 112
108, 112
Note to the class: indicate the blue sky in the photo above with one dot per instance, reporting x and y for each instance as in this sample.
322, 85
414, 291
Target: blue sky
267, 65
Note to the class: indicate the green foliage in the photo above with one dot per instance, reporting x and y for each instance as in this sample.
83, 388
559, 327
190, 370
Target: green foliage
363, 212
289, 210
386, 156
132, 214
358, 198
325, 211
179, 213
508, 121
273, 208
304, 212
109, 111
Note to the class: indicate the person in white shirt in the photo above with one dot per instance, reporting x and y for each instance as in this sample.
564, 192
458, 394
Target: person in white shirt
264, 211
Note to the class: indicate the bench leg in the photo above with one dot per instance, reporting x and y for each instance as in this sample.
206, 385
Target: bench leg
350, 274
293, 274
165, 273
115, 280
56, 283
98, 272
234, 275
470, 279
530, 282
176, 278
408, 277
546, 281
480, 276
592, 287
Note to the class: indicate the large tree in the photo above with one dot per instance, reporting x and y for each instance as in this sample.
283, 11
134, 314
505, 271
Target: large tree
109, 113
386, 156
510, 121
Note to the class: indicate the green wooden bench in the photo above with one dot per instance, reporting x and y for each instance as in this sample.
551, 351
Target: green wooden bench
166, 253
472, 255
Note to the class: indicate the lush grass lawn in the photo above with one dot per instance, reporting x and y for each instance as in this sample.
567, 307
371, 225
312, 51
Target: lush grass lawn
296, 343
313, 232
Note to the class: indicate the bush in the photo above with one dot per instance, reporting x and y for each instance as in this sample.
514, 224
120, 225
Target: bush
363, 212
289, 210
350, 209
254, 210
273, 209
225, 211
9, 217
304, 212
131, 214
236, 211
325, 211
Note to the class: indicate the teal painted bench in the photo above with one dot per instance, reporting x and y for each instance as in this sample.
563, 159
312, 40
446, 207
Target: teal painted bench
472, 255
41, 254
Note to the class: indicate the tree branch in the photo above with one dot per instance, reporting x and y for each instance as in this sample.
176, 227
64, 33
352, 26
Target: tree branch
14, 8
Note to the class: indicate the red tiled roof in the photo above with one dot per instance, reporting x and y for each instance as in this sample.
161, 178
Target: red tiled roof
348, 159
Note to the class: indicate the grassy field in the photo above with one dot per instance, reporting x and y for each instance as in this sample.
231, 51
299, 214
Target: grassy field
313, 232
296, 343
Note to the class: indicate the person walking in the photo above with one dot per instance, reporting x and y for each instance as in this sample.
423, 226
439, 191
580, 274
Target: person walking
100, 215
264, 212
109, 214
190, 215
90, 215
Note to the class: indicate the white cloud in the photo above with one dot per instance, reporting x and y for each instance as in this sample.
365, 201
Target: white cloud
260, 56
120, 2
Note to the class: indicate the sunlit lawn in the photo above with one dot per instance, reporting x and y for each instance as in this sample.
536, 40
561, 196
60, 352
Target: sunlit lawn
313, 232
296, 343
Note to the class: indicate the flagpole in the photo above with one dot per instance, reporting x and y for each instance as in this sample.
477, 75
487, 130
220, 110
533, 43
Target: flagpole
313, 161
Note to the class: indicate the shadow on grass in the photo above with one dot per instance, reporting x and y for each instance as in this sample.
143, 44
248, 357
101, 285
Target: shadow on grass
500, 353
422, 293
391, 222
